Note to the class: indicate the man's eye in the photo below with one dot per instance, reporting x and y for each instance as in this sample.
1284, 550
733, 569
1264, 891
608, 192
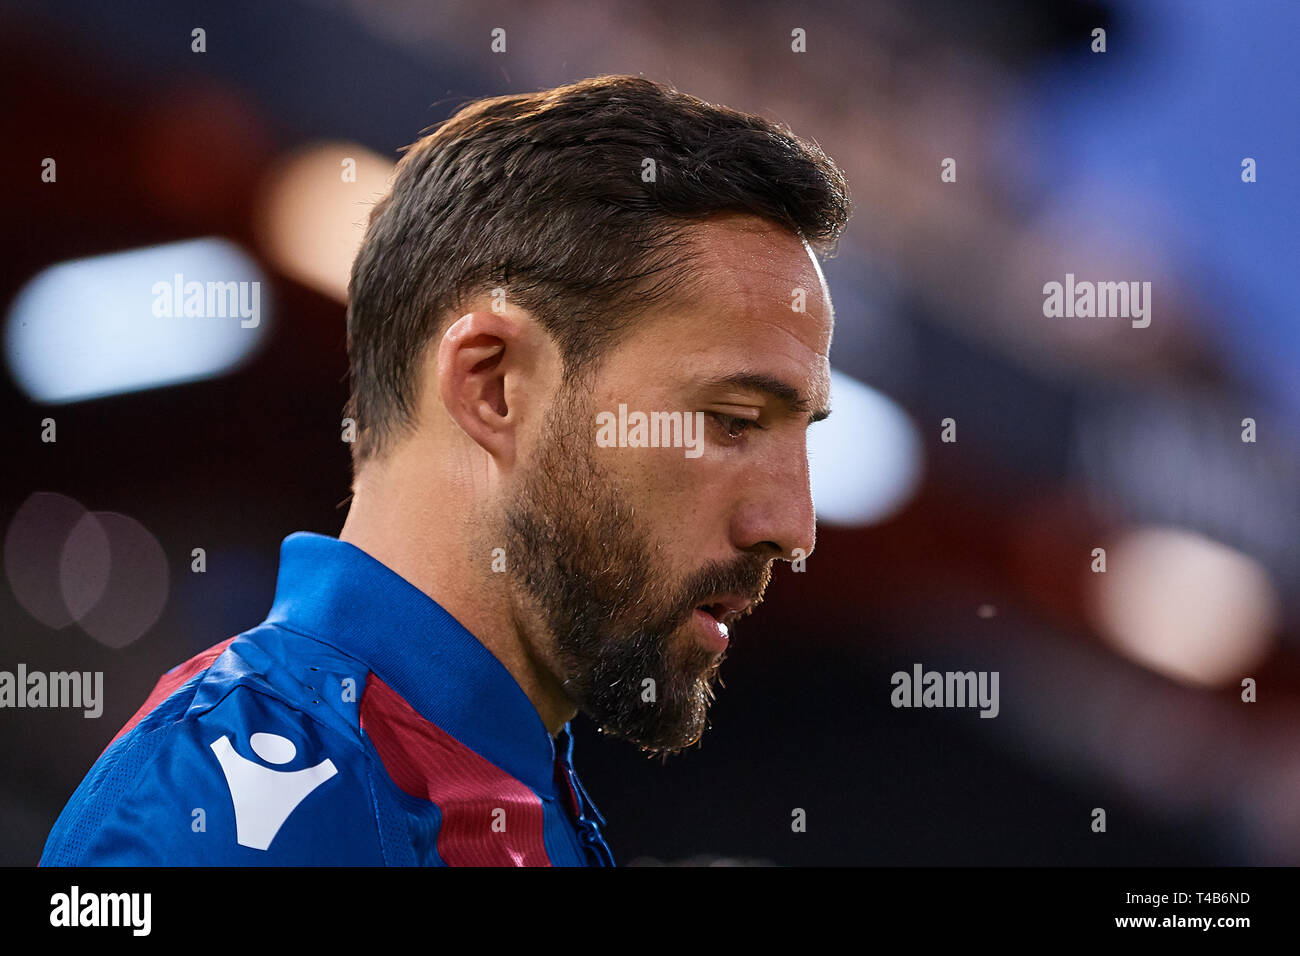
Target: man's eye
732, 426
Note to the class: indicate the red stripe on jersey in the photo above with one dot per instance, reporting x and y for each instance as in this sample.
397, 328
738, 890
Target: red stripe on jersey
428, 763
170, 682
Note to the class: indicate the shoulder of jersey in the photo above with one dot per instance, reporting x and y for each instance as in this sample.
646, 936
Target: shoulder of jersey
250, 753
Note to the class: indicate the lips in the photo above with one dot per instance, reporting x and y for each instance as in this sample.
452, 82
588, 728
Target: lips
725, 608
713, 634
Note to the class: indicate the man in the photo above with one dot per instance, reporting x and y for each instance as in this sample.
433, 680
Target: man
588, 332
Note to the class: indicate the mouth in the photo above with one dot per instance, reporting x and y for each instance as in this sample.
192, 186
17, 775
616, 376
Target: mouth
713, 633
726, 607
714, 619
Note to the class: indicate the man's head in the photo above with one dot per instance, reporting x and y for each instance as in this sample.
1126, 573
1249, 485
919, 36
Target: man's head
560, 288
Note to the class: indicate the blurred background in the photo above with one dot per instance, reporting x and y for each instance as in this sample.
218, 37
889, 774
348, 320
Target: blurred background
1119, 689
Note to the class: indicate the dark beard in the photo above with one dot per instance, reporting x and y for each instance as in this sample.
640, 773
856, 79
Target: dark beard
577, 549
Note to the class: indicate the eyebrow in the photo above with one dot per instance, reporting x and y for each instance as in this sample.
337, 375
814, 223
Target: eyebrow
783, 392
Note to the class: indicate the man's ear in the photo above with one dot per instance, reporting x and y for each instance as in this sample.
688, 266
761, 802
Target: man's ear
476, 355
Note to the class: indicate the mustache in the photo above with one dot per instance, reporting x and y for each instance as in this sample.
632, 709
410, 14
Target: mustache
748, 576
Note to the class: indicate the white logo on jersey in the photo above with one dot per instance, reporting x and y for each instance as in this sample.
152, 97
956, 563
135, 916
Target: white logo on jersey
264, 797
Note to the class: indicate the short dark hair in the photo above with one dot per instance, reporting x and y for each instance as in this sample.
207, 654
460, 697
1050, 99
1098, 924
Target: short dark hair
551, 197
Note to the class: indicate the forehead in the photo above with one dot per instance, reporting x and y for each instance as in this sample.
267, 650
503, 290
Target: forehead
754, 298
745, 261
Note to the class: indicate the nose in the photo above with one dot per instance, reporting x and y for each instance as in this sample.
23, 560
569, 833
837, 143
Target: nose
776, 515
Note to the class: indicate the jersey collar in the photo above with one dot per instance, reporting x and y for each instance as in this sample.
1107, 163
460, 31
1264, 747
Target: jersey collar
338, 594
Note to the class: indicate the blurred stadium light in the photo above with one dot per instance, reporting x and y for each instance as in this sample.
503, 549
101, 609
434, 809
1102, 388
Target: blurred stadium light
134, 320
312, 212
1188, 607
866, 460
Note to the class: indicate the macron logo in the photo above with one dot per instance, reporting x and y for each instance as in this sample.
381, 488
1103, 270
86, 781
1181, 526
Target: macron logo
263, 796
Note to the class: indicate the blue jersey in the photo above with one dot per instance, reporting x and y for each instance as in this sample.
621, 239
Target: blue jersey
359, 725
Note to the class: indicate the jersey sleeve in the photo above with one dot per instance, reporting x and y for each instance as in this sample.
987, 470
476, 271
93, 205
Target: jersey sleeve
252, 781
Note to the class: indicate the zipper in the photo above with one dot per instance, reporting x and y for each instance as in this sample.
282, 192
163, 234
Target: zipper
594, 847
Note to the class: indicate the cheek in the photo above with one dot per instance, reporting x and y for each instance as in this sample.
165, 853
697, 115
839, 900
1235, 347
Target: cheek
678, 497
690, 502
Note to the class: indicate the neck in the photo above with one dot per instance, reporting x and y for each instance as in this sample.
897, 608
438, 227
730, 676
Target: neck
418, 517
